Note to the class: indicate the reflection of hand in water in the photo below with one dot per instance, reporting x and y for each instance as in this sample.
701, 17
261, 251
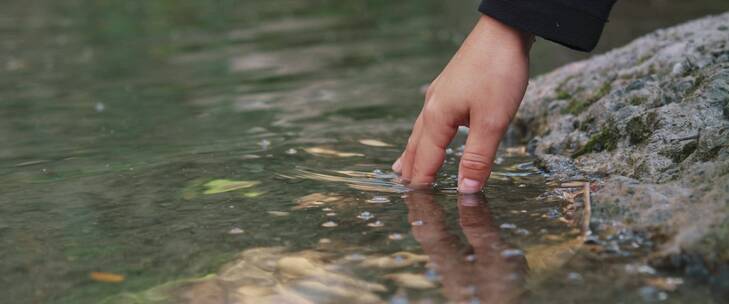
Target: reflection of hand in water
485, 275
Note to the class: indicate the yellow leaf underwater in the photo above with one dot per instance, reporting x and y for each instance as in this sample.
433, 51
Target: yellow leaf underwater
411, 280
329, 152
225, 185
107, 277
374, 143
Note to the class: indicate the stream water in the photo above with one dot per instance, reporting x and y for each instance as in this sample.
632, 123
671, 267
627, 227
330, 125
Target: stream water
239, 151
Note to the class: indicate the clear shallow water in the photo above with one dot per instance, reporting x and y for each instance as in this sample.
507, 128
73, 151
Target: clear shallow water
166, 142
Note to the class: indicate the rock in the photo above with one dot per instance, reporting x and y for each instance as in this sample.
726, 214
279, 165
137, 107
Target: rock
650, 123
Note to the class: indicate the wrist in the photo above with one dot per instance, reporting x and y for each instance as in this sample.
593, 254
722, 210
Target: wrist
504, 33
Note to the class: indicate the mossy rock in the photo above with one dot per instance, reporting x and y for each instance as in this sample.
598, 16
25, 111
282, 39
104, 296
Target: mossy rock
641, 128
607, 139
577, 106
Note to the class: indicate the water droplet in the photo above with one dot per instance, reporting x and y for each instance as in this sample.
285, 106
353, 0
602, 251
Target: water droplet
366, 215
395, 236
417, 223
376, 224
291, 151
236, 231
511, 253
470, 258
449, 151
378, 200
329, 224
507, 226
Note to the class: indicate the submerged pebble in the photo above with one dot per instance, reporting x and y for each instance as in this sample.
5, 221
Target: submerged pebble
236, 231
395, 237
366, 215
511, 253
507, 226
329, 224
378, 200
376, 224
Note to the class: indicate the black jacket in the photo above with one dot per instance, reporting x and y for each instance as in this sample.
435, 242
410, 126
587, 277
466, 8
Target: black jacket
576, 24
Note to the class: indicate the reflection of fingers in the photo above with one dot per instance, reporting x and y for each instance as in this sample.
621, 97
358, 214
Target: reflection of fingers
477, 224
441, 246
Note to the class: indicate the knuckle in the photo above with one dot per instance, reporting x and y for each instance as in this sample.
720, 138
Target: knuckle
495, 126
430, 113
475, 161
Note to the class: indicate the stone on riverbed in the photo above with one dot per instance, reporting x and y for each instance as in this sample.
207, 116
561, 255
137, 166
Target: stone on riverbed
649, 122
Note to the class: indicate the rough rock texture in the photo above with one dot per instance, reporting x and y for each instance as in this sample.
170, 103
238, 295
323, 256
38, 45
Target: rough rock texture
649, 122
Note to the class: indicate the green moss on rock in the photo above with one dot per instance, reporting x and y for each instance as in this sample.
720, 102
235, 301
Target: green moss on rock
607, 139
641, 128
576, 106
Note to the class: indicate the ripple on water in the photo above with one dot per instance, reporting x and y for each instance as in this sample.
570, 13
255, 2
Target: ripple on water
329, 224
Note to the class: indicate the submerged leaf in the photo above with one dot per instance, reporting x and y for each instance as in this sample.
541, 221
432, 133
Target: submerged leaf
330, 152
374, 143
107, 277
225, 185
411, 280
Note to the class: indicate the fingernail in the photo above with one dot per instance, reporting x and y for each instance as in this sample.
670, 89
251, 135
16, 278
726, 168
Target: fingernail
469, 186
397, 166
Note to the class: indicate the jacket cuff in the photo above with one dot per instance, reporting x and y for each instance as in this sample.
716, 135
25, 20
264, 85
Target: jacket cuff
548, 19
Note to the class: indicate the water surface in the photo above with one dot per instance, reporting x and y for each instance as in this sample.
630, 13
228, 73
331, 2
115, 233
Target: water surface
235, 149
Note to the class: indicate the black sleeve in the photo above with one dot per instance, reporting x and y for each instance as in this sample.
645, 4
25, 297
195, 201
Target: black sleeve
576, 24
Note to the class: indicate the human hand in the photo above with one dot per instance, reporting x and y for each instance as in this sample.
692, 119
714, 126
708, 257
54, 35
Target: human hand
481, 87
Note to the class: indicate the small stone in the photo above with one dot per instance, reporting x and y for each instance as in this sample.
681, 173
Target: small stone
511, 253
327, 209
324, 241
278, 213
574, 276
376, 224
470, 258
507, 226
395, 236
329, 224
417, 223
235, 231
366, 215
378, 200
331, 214
291, 151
